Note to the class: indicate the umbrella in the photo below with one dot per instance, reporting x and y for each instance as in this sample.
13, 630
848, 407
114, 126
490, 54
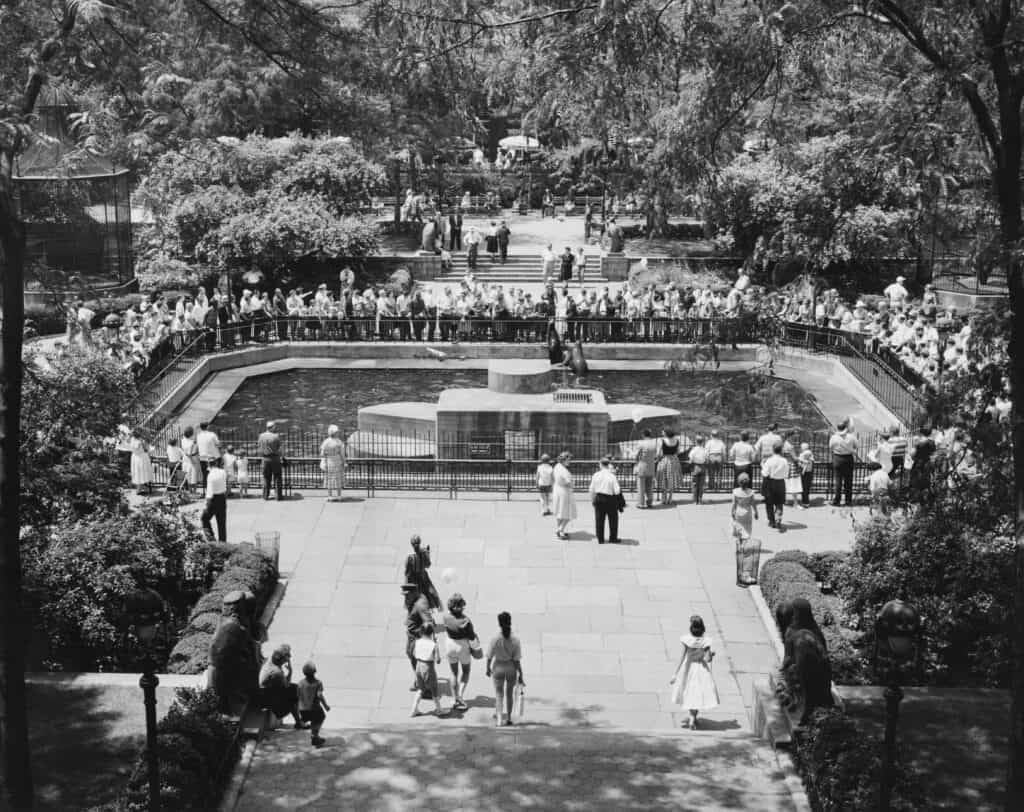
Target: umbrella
519, 142
112, 320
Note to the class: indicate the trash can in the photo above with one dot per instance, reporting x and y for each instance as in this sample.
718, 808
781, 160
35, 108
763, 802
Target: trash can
269, 543
748, 561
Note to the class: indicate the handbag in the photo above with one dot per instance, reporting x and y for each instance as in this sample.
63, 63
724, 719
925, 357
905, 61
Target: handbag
323, 464
621, 502
476, 649
520, 698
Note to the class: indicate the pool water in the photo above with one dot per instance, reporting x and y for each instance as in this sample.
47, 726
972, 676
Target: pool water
308, 400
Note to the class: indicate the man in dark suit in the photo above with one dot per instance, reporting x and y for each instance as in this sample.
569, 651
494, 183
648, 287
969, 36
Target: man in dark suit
455, 227
503, 236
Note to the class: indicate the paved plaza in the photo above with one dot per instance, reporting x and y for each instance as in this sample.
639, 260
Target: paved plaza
599, 626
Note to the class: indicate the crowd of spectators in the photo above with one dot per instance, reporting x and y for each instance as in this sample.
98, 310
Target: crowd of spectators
918, 337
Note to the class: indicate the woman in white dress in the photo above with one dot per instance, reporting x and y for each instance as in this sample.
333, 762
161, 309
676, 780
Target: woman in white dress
693, 686
190, 451
332, 463
564, 499
142, 465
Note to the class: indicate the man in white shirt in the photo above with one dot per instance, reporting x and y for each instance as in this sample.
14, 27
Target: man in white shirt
896, 293
766, 442
698, 459
716, 458
742, 455
548, 259
879, 484
774, 471
208, 445
843, 445
216, 502
606, 496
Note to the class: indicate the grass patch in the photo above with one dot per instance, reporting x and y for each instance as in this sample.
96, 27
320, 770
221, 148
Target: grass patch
84, 740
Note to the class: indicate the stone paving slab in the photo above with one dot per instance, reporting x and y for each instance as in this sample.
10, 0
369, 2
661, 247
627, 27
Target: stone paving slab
412, 767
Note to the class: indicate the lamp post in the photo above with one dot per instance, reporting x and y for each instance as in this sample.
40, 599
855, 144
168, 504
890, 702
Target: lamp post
896, 630
144, 611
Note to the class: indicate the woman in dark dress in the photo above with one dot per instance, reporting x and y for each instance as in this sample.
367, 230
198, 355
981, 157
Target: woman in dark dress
416, 566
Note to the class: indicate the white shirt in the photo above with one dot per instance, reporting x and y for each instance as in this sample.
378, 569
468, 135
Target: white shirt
775, 467
883, 455
896, 294
879, 482
742, 453
216, 482
715, 447
208, 445
604, 481
843, 443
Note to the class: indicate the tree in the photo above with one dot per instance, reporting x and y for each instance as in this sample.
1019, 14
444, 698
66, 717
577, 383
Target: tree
262, 204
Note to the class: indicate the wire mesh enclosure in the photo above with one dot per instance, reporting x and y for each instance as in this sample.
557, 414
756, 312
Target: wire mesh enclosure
75, 204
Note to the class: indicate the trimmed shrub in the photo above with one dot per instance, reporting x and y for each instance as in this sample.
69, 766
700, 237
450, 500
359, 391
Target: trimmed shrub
840, 766
245, 569
784, 580
196, 747
796, 556
824, 565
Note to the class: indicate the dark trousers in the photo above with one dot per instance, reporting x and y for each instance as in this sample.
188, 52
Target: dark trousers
774, 492
456, 239
272, 473
842, 464
216, 507
698, 477
204, 470
805, 485
606, 507
503, 250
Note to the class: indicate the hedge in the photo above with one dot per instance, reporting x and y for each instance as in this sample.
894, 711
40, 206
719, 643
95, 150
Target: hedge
245, 569
197, 746
786, 579
840, 765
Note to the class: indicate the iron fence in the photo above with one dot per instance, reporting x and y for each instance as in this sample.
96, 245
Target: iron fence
489, 476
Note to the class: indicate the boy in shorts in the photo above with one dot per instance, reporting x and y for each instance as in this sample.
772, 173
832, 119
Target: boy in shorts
312, 703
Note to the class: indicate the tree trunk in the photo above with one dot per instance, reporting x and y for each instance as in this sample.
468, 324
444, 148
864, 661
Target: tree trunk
16, 762
1008, 194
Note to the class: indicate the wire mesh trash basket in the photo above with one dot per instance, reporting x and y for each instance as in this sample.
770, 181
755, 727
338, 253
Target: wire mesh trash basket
748, 561
269, 543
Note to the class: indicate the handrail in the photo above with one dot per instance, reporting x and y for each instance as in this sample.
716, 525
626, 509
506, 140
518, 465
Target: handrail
140, 409
905, 402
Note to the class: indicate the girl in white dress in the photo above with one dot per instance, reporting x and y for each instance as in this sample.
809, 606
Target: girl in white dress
693, 686
142, 465
564, 501
193, 473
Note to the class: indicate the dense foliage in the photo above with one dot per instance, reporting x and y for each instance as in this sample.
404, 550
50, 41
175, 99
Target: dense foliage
840, 764
77, 577
72, 405
261, 204
197, 746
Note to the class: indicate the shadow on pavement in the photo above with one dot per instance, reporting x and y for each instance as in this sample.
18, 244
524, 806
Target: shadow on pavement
512, 768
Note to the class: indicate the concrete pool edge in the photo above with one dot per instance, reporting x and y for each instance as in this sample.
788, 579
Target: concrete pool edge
208, 386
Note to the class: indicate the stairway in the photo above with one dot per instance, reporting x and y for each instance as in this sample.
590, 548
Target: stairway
517, 270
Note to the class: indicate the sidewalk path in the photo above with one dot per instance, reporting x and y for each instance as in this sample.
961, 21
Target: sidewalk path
599, 625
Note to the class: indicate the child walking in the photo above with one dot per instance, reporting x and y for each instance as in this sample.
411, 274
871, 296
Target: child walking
545, 479
312, 703
694, 687
241, 472
427, 657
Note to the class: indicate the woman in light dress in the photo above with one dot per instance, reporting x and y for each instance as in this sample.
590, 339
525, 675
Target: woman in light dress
693, 686
564, 499
142, 465
669, 471
190, 451
744, 509
332, 463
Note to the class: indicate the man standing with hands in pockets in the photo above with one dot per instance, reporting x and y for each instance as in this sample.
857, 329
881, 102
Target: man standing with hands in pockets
606, 496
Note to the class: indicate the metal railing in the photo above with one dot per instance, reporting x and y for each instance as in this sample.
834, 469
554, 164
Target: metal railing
895, 384
501, 476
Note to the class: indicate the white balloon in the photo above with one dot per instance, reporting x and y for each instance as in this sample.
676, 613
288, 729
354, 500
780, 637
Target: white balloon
448, 575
